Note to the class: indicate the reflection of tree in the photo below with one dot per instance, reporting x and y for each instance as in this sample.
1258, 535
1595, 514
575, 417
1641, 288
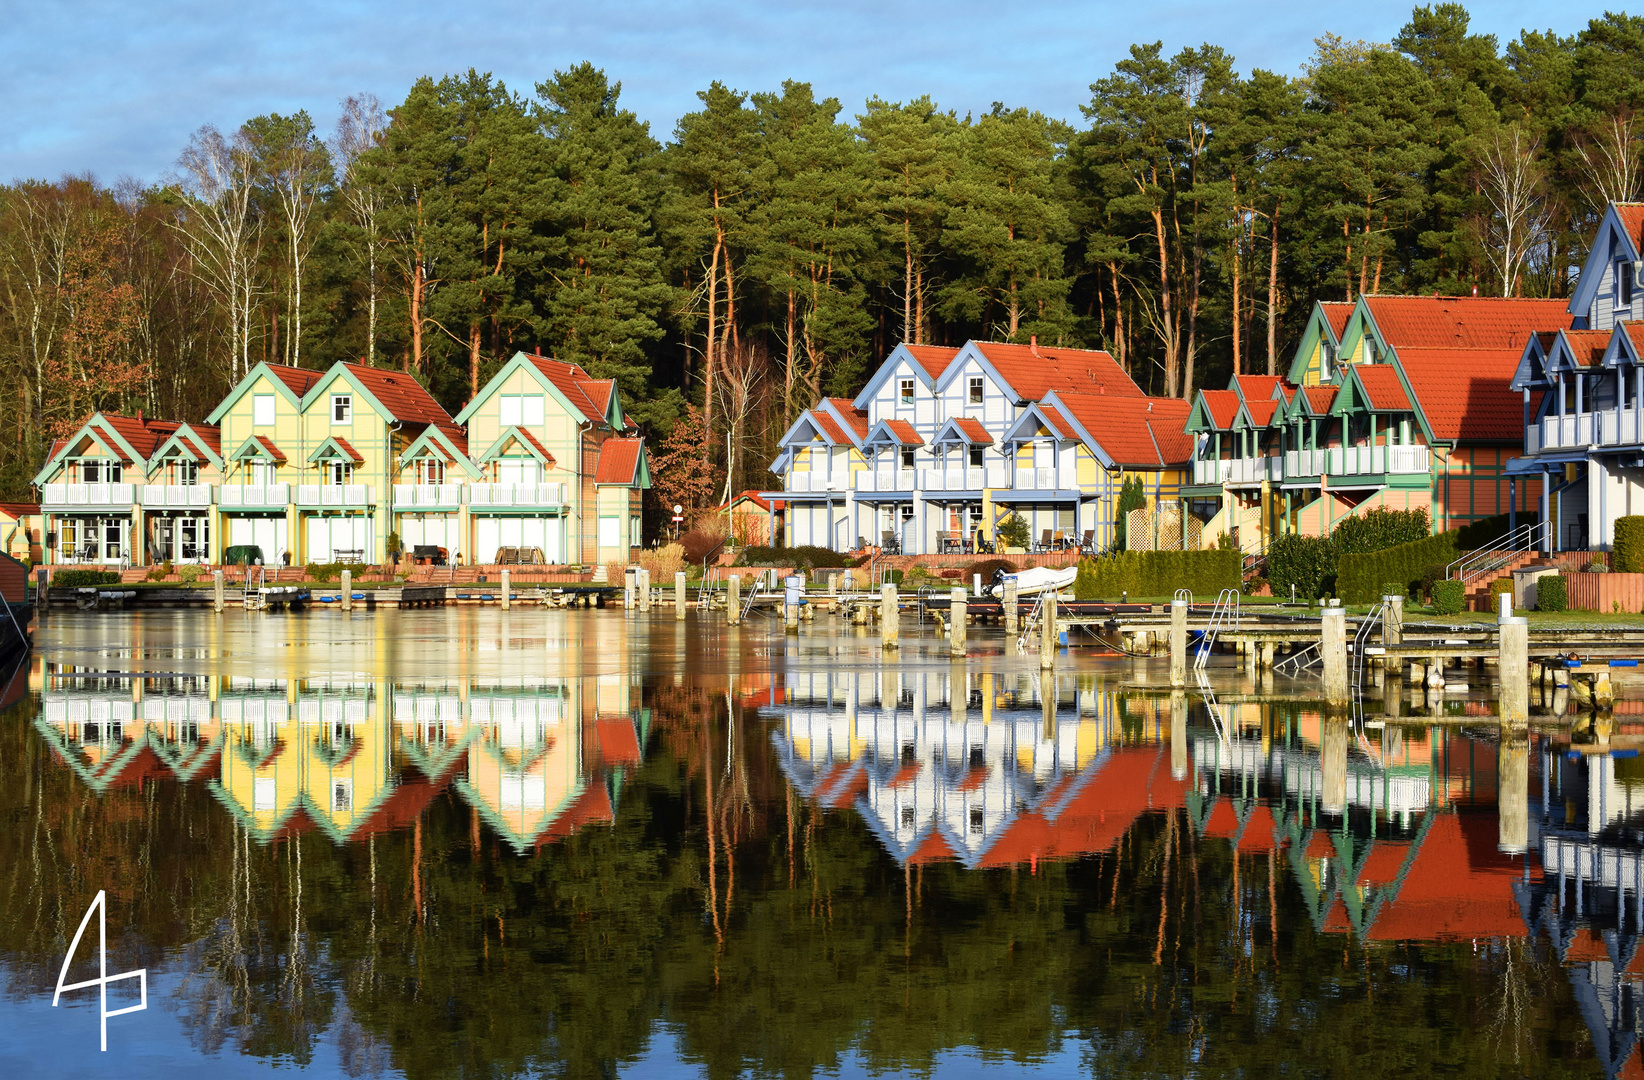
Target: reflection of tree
441, 952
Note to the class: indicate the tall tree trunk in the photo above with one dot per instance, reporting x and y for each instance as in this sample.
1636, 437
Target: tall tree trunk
710, 341
1120, 341
1273, 292
793, 328
909, 332
414, 359
1165, 306
1347, 258
473, 359
1233, 246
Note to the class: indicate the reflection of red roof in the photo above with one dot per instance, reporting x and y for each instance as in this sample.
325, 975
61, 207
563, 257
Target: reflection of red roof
405, 805
1336, 313
618, 461
1458, 887
904, 433
933, 848
1320, 845
1146, 432
1222, 405
1260, 832
1383, 865
934, 359
1034, 372
593, 806
1586, 947
1336, 920
617, 741
1382, 386
973, 430
907, 774
1464, 322
1129, 783
1223, 823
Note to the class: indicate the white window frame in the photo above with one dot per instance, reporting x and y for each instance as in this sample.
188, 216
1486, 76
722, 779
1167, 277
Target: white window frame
342, 410
904, 391
430, 471
188, 473
339, 473
973, 391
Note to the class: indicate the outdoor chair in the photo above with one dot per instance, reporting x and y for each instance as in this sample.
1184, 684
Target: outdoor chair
944, 542
1088, 543
889, 544
1045, 540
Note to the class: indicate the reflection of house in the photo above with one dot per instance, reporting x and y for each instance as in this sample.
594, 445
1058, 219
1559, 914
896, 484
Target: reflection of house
985, 772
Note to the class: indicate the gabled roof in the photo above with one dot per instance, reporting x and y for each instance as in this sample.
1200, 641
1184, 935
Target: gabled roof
192, 442
1383, 391
1336, 314
397, 395
1624, 221
291, 382
831, 427
258, 446
587, 399
131, 439
1466, 397
1459, 322
298, 380
1214, 410
1257, 387
933, 358
512, 434
1313, 401
895, 433
1458, 886
853, 420
142, 436
926, 363
1257, 413
434, 442
1144, 432
622, 461
335, 447
963, 429
1032, 371
1040, 415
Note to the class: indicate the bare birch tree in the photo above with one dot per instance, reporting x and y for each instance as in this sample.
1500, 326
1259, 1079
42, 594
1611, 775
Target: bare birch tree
360, 129
1511, 178
1607, 159
218, 175
294, 165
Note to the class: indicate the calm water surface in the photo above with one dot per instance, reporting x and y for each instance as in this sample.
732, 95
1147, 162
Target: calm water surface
475, 843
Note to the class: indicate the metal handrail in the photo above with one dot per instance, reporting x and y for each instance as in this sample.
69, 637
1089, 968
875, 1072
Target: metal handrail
1361, 638
1226, 611
1496, 554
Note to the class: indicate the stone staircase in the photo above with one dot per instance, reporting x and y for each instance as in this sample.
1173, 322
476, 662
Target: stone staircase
1478, 590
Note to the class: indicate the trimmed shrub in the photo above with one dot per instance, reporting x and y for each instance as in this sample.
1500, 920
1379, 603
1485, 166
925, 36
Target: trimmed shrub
81, 579
1429, 577
1380, 529
1501, 586
1306, 562
802, 559
1448, 597
1158, 573
1395, 588
1552, 593
1629, 544
160, 572
190, 574
1132, 496
1360, 575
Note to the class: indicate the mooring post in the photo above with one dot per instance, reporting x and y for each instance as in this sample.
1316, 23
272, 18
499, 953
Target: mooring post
733, 600
1392, 629
1178, 734
348, 589
890, 618
1333, 645
507, 577
679, 595
644, 589
1012, 599
1178, 643
1047, 705
1333, 765
1047, 631
1250, 659
1513, 670
793, 592
216, 589
956, 622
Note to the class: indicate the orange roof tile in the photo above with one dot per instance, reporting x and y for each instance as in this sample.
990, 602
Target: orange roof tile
1632, 221
1058, 423
268, 444
1319, 398
537, 446
19, 509
904, 433
1382, 386
1134, 431
829, 426
858, 418
571, 381
1635, 334
1587, 346
1223, 406
1257, 387
1466, 394
345, 447
1035, 371
145, 436
405, 398
1261, 410
298, 380
618, 461
210, 437
933, 358
974, 431
1464, 322
1336, 313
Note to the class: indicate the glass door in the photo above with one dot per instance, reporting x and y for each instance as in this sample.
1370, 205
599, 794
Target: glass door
113, 530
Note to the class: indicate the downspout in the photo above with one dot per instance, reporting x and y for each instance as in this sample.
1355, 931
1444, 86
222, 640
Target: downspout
388, 484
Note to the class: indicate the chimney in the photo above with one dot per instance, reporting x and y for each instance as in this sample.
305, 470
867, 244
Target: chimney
139, 416
1101, 388
1475, 290
1033, 344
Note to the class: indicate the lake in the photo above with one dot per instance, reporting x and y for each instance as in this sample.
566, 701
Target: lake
464, 842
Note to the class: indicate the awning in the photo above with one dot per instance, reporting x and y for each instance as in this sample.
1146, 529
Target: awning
1530, 466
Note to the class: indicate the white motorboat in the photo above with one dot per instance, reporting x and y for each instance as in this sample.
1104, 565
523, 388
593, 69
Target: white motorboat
1034, 581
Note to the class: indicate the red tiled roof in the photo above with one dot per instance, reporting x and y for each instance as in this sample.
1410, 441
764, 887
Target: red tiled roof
1587, 346
1632, 221
598, 392
1257, 387
405, 398
268, 444
1382, 386
1223, 406
857, 418
19, 509
1465, 394
1336, 313
1134, 431
1635, 334
753, 496
933, 358
904, 433
209, 437
1057, 421
618, 461
1261, 410
1034, 372
973, 429
145, 436
1459, 887
1464, 322
298, 380
829, 426
345, 447
1319, 398
537, 446
587, 395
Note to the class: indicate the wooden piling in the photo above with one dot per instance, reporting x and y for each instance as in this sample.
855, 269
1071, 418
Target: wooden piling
889, 617
1333, 645
956, 622
1047, 631
1392, 628
1178, 643
733, 600
216, 589
348, 590
679, 596
1012, 600
1513, 670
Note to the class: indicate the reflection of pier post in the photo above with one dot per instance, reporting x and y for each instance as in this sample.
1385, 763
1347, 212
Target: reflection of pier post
958, 691
1333, 764
1513, 788
1178, 735
1047, 703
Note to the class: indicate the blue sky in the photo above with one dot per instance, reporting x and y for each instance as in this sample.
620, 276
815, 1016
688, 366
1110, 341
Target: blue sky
115, 87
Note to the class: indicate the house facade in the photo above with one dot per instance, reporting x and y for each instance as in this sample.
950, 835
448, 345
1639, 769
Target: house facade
1580, 386
944, 443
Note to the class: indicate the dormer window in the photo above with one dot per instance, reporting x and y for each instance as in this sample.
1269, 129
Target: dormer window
188, 473
1624, 284
262, 410
521, 410
907, 457
100, 472
974, 395
338, 473
342, 408
904, 389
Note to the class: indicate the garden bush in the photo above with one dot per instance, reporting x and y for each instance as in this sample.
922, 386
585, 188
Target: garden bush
1552, 593
1013, 532
1359, 575
1629, 544
190, 574
1158, 573
1501, 585
698, 544
1448, 597
1380, 529
1307, 562
80, 579
160, 572
663, 563
802, 559
1395, 588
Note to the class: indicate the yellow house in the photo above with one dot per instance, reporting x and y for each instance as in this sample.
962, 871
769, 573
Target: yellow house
260, 425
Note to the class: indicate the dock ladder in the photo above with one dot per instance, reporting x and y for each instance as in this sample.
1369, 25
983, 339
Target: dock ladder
754, 591
1035, 613
1361, 641
1223, 617
254, 593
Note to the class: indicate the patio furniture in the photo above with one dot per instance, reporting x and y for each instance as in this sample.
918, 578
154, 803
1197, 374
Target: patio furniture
349, 555
889, 544
428, 555
1045, 540
1087, 543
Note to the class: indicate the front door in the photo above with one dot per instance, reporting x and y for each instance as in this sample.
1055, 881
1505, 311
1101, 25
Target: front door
164, 536
113, 530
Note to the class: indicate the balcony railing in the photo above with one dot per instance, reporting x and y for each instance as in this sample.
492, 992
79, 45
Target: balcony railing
516, 494
335, 495
888, 480
254, 495
181, 496
816, 481
1238, 470
964, 479
1036, 480
448, 496
101, 496
1358, 461
1582, 430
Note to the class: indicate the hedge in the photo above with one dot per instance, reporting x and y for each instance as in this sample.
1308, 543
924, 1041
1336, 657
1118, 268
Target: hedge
1629, 544
803, 559
80, 579
1360, 579
1552, 593
1158, 573
1307, 562
1448, 597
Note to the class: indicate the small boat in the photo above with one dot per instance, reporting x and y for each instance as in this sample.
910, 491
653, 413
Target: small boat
1034, 581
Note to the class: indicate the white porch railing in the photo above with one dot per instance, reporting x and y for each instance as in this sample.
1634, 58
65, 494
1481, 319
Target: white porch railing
98, 495
1212, 470
335, 495
516, 494
816, 481
964, 479
184, 496
1255, 470
1358, 461
249, 495
887, 480
1607, 428
434, 495
1036, 479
